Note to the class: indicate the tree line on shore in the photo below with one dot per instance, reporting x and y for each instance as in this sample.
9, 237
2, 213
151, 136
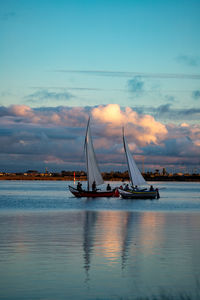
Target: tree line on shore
112, 176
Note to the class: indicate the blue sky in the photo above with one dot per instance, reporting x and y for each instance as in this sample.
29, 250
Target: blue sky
139, 54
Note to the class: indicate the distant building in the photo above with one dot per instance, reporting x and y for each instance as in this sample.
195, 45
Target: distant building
32, 172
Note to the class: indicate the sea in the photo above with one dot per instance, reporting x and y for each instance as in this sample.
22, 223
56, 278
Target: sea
54, 246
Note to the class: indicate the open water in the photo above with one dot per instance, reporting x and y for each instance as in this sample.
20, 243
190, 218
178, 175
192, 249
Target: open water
54, 246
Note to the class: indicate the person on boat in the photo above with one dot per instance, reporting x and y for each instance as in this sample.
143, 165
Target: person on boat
79, 186
94, 187
151, 188
126, 187
108, 187
157, 193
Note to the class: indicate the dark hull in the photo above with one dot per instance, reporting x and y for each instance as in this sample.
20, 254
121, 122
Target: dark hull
139, 194
91, 194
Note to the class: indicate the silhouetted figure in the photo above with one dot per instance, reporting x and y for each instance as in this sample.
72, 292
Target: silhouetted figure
151, 188
157, 194
94, 188
79, 187
126, 187
108, 187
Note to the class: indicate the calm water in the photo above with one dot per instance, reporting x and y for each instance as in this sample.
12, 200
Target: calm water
54, 246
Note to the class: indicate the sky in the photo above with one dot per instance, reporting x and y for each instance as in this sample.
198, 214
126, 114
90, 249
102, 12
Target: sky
124, 63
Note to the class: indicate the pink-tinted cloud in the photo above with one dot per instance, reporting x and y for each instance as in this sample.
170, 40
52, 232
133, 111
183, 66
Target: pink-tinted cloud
185, 132
55, 136
60, 116
142, 129
52, 159
21, 110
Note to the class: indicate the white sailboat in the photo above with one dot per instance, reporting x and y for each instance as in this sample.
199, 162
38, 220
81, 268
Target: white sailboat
137, 180
94, 176
93, 172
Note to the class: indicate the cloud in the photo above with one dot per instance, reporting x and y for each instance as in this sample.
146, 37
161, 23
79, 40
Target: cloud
44, 95
55, 136
189, 60
47, 116
77, 88
65, 115
142, 128
52, 159
20, 110
170, 98
136, 85
180, 150
181, 147
106, 73
196, 94
163, 109
167, 112
3, 111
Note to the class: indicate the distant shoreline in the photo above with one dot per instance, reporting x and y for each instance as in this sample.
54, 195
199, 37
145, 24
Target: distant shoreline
190, 178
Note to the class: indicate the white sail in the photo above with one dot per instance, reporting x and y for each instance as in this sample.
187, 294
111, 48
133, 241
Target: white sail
134, 173
93, 172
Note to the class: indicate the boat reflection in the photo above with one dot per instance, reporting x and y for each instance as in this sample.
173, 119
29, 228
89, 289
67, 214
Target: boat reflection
88, 239
112, 236
117, 235
85, 248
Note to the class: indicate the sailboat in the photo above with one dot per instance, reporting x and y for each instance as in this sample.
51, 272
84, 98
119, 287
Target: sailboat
136, 178
94, 176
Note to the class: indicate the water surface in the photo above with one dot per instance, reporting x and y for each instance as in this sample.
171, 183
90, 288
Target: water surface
54, 246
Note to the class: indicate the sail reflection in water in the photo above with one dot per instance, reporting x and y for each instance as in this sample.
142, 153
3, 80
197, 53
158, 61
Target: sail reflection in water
97, 254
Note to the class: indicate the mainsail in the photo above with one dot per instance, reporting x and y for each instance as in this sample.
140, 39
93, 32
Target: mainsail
93, 172
134, 173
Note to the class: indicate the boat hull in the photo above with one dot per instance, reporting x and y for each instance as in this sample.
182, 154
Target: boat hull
91, 194
131, 194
